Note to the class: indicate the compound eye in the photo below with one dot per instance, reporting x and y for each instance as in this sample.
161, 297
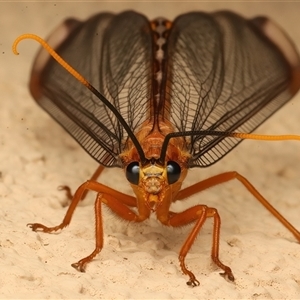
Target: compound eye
133, 172
173, 171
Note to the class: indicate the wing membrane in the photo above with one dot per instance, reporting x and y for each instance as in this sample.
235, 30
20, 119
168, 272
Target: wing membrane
224, 74
114, 54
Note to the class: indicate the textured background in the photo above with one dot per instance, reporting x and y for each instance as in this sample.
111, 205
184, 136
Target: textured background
138, 261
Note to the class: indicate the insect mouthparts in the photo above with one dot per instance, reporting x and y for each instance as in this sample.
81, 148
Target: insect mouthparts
153, 161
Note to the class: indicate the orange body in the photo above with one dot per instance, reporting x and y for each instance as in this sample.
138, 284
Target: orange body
153, 193
155, 155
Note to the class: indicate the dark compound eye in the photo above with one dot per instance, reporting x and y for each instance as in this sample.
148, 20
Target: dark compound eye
133, 172
173, 171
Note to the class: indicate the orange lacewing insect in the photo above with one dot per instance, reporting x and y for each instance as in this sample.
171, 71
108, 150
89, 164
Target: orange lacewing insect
156, 98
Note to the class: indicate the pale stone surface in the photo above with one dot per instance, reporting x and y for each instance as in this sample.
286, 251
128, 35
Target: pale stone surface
137, 261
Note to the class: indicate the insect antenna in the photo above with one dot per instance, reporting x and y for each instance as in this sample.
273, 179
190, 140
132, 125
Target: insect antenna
223, 134
86, 83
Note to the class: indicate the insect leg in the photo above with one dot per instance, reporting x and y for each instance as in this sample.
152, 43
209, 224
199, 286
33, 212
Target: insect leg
120, 209
94, 177
88, 185
224, 177
116, 201
81, 264
199, 213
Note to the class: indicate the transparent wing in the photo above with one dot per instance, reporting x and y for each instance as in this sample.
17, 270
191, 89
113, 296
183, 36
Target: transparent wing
114, 54
226, 73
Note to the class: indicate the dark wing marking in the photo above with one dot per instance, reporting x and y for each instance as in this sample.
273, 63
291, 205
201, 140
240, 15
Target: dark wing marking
226, 73
114, 54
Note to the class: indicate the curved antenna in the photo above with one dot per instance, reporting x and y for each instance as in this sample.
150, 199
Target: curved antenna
82, 80
240, 135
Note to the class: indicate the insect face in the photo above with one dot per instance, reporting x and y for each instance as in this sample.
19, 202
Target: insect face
158, 186
153, 182
153, 179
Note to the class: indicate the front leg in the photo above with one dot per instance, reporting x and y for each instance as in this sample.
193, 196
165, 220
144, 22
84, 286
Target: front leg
199, 214
94, 177
115, 200
80, 192
224, 177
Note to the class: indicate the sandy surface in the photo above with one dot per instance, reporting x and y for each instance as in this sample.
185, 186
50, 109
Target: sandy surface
138, 261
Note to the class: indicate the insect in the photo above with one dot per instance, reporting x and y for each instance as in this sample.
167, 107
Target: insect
156, 98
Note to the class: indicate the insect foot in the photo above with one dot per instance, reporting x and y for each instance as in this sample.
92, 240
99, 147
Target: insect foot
228, 274
43, 228
79, 266
193, 281
67, 190
37, 227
